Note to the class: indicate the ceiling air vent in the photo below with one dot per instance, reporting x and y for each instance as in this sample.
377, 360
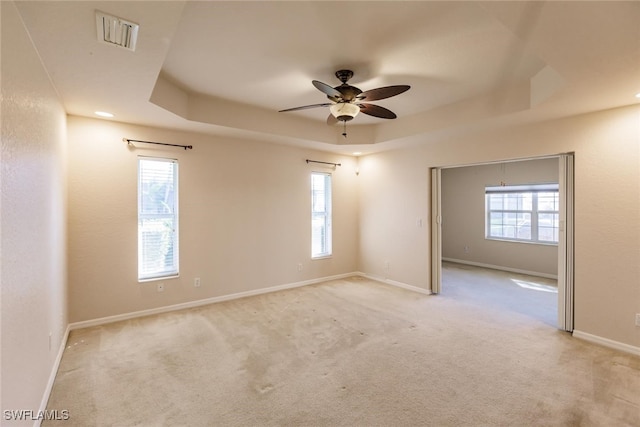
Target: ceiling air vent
116, 31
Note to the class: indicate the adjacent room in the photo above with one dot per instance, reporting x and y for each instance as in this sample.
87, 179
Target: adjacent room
277, 213
504, 217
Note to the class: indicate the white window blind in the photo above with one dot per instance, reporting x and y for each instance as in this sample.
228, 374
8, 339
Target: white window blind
157, 218
523, 213
320, 215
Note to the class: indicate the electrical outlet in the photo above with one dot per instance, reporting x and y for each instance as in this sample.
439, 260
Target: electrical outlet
160, 287
466, 249
196, 282
637, 319
387, 265
50, 337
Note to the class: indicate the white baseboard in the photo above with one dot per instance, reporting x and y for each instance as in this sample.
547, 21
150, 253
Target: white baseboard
499, 267
52, 375
607, 342
201, 302
397, 284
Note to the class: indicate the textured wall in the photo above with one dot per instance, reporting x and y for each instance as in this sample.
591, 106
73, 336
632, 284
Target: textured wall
244, 217
33, 220
463, 216
607, 208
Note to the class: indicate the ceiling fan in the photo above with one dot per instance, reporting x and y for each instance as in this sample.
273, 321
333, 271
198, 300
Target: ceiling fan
348, 101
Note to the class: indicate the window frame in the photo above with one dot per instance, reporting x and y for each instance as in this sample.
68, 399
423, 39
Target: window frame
174, 271
326, 213
534, 190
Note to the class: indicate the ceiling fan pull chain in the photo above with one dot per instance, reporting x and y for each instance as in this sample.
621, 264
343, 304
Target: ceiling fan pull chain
344, 132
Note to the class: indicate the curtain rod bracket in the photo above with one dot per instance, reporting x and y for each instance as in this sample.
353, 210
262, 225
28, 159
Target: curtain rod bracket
186, 147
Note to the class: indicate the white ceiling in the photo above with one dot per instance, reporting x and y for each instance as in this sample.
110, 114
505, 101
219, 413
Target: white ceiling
227, 67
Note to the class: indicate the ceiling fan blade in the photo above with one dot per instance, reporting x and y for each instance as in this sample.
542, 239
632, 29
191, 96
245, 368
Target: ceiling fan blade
377, 111
331, 120
306, 107
326, 89
383, 92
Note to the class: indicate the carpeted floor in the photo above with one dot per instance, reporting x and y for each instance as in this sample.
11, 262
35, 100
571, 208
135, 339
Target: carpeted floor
534, 297
350, 352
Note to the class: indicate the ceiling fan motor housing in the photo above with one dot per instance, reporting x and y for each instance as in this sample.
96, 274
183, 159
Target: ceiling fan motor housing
348, 93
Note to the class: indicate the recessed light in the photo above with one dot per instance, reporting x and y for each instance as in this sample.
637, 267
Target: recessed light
638, 95
357, 153
104, 114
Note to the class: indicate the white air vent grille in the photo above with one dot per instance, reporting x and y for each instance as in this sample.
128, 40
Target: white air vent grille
116, 31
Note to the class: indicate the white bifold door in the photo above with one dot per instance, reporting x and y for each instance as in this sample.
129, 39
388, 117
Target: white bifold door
436, 231
565, 244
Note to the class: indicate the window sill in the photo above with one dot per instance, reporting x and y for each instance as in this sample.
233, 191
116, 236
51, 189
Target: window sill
155, 279
314, 258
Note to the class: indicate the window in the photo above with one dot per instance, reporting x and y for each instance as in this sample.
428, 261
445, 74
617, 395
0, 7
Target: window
157, 218
527, 213
320, 215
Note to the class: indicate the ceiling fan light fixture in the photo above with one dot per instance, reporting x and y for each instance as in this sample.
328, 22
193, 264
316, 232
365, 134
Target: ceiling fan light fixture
344, 111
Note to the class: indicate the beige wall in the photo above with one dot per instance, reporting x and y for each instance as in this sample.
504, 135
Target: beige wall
244, 217
395, 190
33, 221
394, 193
463, 216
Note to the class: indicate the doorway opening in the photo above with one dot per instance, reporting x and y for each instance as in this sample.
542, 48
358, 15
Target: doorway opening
526, 246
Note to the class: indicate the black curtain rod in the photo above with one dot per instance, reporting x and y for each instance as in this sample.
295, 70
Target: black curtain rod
190, 147
324, 163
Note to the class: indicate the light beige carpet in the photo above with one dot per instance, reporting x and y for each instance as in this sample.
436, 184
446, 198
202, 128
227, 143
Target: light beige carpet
350, 352
534, 297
